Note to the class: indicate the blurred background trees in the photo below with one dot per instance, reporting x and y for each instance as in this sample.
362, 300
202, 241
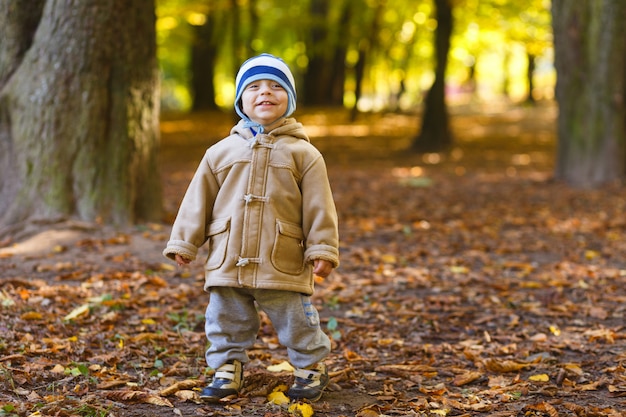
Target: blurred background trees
81, 87
364, 55
370, 54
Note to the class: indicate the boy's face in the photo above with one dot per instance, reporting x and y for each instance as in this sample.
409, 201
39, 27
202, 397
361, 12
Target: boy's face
264, 101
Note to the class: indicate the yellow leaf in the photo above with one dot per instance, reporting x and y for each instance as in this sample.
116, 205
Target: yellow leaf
457, 269
59, 248
591, 254
555, 330
167, 267
31, 315
368, 413
439, 412
303, 410
148, 321
574, 368
539, 378
284, 366
78, 311
278, 398
388, 259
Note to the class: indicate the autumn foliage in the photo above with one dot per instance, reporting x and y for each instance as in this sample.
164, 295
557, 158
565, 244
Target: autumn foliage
471, 284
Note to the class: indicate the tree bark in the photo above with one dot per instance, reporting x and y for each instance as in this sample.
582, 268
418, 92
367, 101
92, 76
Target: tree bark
79, 113
590, 55
435, 135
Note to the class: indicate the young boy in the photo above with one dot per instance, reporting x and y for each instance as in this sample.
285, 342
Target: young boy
262, 202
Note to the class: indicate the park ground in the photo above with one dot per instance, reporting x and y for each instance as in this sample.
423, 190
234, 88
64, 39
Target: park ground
471, 284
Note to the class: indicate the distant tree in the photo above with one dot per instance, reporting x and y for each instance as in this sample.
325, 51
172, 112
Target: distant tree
365, 44
325, 65
78, 112
590, 59
435, 134
204, 50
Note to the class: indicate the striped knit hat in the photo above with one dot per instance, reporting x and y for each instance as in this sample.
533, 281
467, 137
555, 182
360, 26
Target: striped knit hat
265, 67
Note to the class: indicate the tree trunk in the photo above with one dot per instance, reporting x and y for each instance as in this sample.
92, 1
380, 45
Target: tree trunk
590, 55
203, 54
338, 71
365, 46
79, 113
435, 135
317, 77
530, 75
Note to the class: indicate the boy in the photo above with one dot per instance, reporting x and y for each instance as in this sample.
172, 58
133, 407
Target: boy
262, 202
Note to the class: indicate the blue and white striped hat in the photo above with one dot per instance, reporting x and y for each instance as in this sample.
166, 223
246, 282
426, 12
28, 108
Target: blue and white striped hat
265, 67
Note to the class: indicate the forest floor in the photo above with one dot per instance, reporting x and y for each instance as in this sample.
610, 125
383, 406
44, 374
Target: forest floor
471, 284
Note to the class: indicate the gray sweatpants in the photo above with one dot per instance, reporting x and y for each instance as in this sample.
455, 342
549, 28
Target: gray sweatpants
232, 324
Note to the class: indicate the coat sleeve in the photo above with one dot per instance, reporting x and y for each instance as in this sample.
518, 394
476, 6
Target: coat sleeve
320, 223
194, 215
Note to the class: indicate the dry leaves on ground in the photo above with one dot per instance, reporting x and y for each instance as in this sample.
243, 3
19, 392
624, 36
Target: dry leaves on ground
470, 285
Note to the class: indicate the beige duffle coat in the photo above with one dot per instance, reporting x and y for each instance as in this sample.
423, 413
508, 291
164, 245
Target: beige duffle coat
263, 205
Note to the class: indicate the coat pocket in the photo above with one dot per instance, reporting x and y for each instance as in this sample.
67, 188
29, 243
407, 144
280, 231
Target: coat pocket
217, 234
288, 250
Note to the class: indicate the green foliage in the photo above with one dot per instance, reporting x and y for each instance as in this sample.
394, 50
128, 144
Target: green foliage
182, 320
8, 410
87, 410
77, 369
491, 37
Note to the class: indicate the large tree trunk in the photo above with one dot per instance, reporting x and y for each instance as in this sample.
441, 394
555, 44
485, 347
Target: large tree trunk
590, 55
78, 112
435, 133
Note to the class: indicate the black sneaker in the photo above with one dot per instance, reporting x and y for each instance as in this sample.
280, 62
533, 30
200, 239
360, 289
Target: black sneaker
309, 383
228, 380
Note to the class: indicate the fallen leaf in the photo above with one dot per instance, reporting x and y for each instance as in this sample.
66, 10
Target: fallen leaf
78, 311
32, 315
466, 378
281, 367
278, 398
138, 396
503, 366
181, 385
301, 409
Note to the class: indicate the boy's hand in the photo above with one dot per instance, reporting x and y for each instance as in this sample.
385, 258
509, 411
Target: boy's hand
180, 260
322, 268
